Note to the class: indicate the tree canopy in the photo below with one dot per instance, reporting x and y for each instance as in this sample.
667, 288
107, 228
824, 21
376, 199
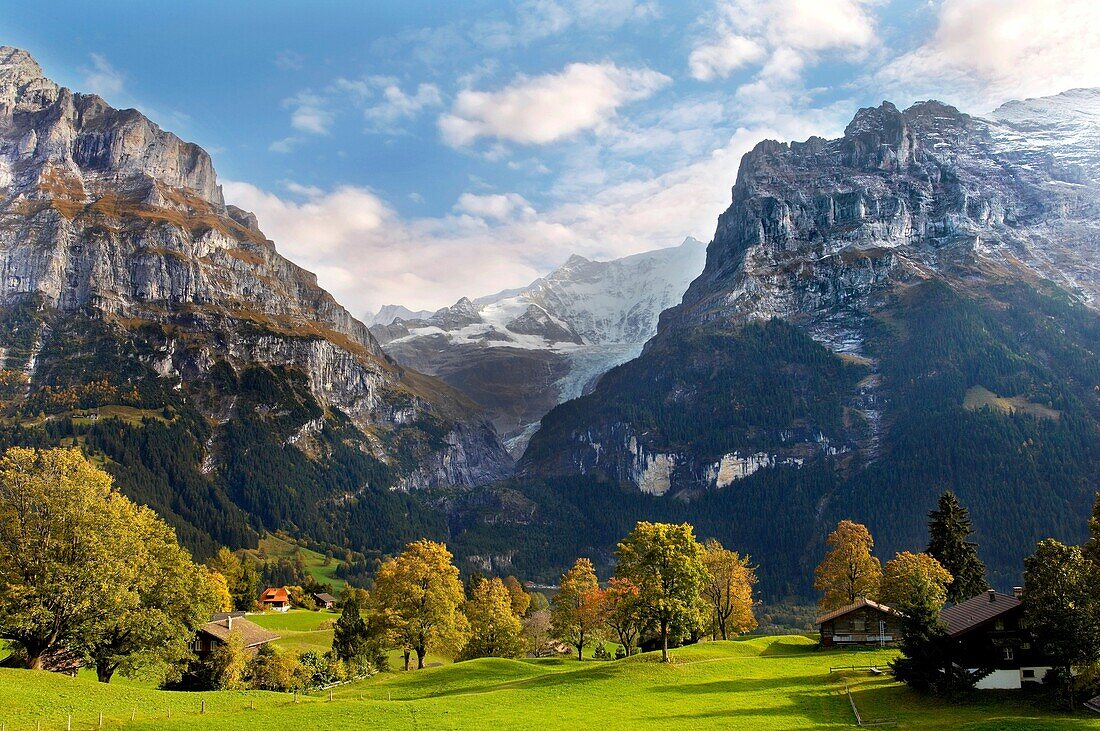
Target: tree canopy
576, 613
421, 595
912, 579
666, 563
495, 628
848, 571
728, 590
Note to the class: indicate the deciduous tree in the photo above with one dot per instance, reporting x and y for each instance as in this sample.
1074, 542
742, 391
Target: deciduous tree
421, 594
848, 571
665, 562
949, 527
495, 628
1060, 607
728, 590
624, 612
65, 550
577, 611
521, 600
912, 579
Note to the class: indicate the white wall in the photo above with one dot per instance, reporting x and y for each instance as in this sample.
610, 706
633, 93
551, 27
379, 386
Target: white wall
1000, 680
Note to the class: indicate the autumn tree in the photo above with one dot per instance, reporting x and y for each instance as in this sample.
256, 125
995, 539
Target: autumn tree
848, 571
495, 628
728, 590
665, 562
242, 576
420, 593
223, 600
1061, 607
949, 529
910, 579
228, 664
577, 610
171, 597
623, 612
521, 600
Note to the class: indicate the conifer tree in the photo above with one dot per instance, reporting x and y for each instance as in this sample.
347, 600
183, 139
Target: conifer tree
1092, 548
949, 527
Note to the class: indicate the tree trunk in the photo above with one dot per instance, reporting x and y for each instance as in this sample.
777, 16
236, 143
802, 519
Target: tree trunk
407, 654
420, 653
664, 641
34, 662
104, 672
580, 646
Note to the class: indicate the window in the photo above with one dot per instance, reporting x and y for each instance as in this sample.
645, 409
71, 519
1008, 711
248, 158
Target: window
1008, 653
859, 625
1029, 674
1000, 625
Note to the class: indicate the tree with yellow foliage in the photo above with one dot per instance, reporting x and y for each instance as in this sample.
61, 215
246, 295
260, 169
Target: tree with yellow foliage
848, 571
911, 579
576, 614
728, 590
495, 629
421, 596
521, 600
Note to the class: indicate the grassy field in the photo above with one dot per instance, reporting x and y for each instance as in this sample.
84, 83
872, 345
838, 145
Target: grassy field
300, 630
276, 547
979, 397
762, 683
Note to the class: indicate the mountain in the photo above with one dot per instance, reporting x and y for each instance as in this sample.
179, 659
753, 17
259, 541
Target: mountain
906, 309
388, 313
521, 352
148, 320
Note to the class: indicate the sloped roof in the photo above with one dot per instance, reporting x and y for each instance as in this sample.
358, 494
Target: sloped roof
323, 597
857, 604
252, 633
965, 616
274, 594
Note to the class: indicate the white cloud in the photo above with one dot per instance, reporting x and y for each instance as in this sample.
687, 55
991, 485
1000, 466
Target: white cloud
499, 207
368, 255
309, 113
103, 78
984, 52
396, 106
787, 32
541, 109
724, 55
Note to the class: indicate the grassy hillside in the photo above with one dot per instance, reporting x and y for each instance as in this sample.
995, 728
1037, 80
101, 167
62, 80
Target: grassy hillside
760, 683
272, 546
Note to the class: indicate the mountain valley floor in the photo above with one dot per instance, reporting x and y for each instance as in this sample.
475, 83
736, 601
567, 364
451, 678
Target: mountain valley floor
756, 682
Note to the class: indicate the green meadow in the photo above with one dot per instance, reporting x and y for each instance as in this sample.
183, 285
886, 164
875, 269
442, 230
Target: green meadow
759, 683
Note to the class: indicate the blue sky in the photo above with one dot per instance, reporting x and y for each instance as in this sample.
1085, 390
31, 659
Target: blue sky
415, 152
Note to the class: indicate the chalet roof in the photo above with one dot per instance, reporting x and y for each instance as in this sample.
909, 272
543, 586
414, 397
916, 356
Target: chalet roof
324, 597
251, 633
857, 604
965, 616
275, 594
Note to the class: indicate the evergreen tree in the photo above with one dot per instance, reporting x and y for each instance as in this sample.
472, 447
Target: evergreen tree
1092, 548
925, 664
949, 527
357, 641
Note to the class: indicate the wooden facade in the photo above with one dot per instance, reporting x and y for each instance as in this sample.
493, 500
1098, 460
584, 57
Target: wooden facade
863, 622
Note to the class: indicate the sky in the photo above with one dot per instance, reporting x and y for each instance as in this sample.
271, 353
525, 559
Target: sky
416, 152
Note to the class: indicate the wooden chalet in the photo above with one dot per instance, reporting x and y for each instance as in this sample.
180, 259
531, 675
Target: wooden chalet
275, 598
990, 635
217, 631
863, 622
325, 600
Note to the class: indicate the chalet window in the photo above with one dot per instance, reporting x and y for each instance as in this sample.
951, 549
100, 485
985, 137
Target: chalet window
1008, 653
1000, 625
859, 625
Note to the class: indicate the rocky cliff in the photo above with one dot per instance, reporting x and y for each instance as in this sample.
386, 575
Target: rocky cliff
108, 220
903, 307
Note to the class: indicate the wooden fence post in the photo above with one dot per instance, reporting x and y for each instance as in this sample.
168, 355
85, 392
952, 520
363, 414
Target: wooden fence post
330, 695
203, 708
101, 719
69, 722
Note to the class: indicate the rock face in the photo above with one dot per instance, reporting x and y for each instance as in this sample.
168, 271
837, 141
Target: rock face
860, 296
520, 353
105, 215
